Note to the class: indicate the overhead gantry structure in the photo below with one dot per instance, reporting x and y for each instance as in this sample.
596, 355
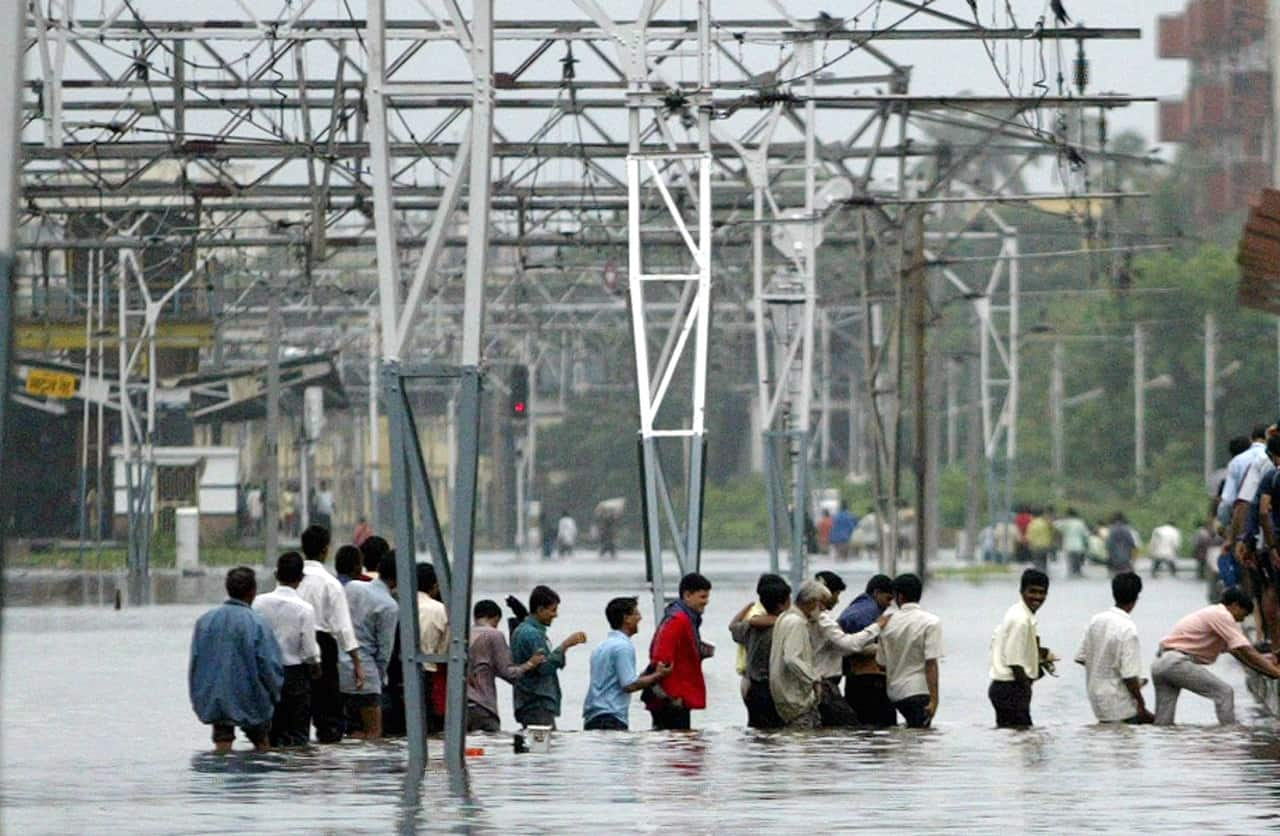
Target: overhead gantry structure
410, 166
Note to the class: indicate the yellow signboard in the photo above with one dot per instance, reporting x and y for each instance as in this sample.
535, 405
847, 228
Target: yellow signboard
49, 384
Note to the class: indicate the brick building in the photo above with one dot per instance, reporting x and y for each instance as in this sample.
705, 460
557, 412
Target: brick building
1224, 116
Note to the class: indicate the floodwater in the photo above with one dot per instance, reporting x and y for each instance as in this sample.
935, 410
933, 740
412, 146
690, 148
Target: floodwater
98, 736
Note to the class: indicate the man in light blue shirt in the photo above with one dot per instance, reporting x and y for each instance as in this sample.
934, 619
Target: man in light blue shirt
1238, 469
374, 616
613, 671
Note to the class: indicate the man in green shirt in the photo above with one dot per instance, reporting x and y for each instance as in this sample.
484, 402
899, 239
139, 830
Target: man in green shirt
1075, 540
537, 693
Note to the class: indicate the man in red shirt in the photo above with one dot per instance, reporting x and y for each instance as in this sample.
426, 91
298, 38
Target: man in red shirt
678, 643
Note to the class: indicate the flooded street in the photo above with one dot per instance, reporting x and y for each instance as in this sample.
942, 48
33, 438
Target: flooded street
98, 735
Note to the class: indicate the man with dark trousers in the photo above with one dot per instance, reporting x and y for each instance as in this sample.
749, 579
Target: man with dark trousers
678, 644
864, 683
334, 633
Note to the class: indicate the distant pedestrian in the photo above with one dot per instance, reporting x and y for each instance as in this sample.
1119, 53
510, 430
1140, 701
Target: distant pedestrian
325, 506
253, 505
334, 634
825, 521
1075, 541
374, 615
1193, 644
841, 533
1112, 658
752, 629
293, 621
537, 693
794, 682
1040, 539
235, 675
1206, 546
910, 646
607, 706
608, 528
489, 661
1164, 547
865, 689
1122, 543
1016, 654
566, 535
677, 642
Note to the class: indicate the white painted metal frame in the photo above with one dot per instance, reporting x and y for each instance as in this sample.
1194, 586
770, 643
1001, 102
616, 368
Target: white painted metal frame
652, 381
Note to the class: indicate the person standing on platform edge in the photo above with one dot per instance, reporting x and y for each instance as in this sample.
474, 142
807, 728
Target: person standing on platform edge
910, 646
334, 633
489, 660
607, 706
537, 693
678, 643
1016, 655
293, 621
1112, 658
864, 684
235, 674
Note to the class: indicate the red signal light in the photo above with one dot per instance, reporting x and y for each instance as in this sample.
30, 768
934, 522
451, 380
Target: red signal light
518, 407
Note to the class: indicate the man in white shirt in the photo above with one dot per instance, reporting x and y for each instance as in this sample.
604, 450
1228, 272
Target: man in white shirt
333, 633
433, 640
910, 646
293, 621
1016, 654
1112, 657
1166, 542
830, 645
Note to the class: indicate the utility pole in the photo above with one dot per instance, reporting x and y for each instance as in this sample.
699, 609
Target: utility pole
973, 448
952, 409
1139, 407
1210, 395
375, 433
1056, 395
271, 510
918, 287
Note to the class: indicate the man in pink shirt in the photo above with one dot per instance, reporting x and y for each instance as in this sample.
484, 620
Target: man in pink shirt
1195, 642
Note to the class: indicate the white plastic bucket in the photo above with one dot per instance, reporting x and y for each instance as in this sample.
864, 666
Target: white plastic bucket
539, 738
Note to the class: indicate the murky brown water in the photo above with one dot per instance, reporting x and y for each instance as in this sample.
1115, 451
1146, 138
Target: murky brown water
98, 736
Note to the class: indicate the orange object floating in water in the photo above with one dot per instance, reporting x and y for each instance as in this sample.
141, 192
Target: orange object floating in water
475, 752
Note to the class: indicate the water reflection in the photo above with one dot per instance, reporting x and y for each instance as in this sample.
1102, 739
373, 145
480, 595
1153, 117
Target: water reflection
133, 759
